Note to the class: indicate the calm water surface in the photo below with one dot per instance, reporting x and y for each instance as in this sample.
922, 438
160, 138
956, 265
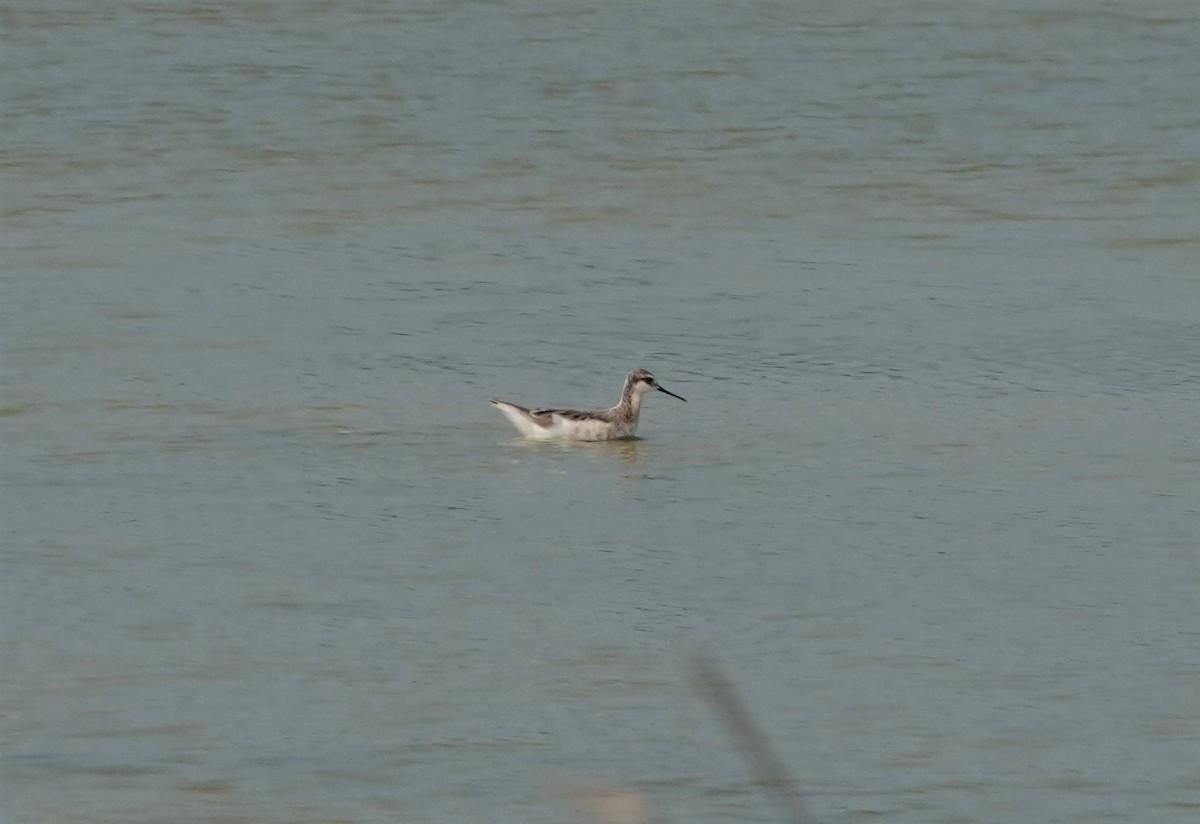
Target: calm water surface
927, 272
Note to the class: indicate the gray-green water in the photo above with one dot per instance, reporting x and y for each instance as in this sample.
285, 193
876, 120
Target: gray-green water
927, 272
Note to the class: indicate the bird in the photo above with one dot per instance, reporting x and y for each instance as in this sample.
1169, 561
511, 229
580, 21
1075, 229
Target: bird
615, 423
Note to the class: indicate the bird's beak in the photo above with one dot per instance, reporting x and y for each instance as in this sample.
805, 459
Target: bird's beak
672, 394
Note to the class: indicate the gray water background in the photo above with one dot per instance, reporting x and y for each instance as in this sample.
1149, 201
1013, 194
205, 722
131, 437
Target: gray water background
927, 272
